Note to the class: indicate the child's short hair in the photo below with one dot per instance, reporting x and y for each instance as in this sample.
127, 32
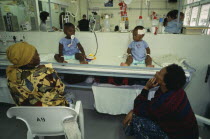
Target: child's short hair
138, 27
69, 25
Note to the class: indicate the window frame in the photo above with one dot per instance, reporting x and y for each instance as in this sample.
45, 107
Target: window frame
199, 4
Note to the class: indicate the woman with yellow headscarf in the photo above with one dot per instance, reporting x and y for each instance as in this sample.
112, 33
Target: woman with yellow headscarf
31, 84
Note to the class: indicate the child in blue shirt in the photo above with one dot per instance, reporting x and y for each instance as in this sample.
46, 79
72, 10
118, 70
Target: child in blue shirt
70, 47
138, 50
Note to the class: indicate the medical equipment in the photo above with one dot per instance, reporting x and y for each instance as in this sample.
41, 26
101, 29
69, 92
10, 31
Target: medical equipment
141, 32
124, 23
2, 27
95, 22
140, 21
66, 18
72, 39
90, 57
106, 24
155, 23
127, 1
11, 22
148, 6
26, 26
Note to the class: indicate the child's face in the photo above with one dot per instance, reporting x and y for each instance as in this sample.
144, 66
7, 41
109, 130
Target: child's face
160, 76
136, 36
69, 31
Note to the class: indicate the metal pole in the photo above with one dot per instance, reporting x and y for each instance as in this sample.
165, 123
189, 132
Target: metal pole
179, 11
87, 10
37, 14
141, 6
50, 15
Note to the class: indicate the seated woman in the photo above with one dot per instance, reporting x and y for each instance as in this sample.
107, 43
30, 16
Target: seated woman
168, 114
171, 22
31, 84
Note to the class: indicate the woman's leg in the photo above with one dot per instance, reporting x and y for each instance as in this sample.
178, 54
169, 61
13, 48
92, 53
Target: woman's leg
144, 128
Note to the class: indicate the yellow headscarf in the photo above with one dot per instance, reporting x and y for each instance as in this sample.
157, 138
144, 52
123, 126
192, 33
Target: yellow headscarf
19, 54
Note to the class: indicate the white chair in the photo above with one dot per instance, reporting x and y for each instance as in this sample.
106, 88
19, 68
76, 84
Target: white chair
202, 120
47, 121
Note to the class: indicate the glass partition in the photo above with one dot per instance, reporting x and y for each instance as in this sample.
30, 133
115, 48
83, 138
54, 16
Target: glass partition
194, 15
18, 15
203, 21
24, 15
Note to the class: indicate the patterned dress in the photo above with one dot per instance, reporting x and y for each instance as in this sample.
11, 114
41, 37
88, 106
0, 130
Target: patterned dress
37, 87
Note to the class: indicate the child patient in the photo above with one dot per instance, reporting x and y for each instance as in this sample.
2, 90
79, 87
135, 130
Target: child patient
70, 47
138, 50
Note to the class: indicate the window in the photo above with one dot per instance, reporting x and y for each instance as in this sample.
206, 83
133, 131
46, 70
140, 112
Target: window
208, 31
204, 15
189, 1
187, 16
197, 13
194, 15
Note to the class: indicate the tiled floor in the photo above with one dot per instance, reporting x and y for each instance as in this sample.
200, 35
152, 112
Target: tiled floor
97, 126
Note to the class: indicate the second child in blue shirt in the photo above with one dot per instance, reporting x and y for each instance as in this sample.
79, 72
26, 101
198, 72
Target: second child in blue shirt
138, 50
70, 47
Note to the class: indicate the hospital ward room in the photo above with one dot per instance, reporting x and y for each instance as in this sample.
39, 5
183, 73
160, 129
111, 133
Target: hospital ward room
104, 69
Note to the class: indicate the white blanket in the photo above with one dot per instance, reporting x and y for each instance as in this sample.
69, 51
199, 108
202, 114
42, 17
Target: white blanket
116, 100
169, 59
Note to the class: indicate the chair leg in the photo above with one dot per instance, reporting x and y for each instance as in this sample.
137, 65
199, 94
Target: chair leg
29, 135
81, 121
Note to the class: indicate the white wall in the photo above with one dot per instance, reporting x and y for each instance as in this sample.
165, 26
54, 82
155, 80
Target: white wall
133, 14
195, 48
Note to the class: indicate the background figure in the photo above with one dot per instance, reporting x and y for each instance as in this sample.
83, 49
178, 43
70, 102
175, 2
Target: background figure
170, 22
43, 17
83, 24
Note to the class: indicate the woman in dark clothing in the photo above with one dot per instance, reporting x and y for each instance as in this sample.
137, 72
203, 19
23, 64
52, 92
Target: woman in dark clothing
168, 114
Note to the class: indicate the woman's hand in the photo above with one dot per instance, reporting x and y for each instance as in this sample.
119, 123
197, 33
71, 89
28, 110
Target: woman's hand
128, 118
151, 83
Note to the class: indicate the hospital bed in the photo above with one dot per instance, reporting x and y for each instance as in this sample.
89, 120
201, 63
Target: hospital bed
110, 68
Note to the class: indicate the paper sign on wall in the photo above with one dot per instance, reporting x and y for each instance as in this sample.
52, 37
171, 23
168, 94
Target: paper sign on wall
6, 8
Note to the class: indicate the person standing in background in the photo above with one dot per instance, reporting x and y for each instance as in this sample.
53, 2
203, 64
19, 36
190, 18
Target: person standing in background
83, 24
43, 17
